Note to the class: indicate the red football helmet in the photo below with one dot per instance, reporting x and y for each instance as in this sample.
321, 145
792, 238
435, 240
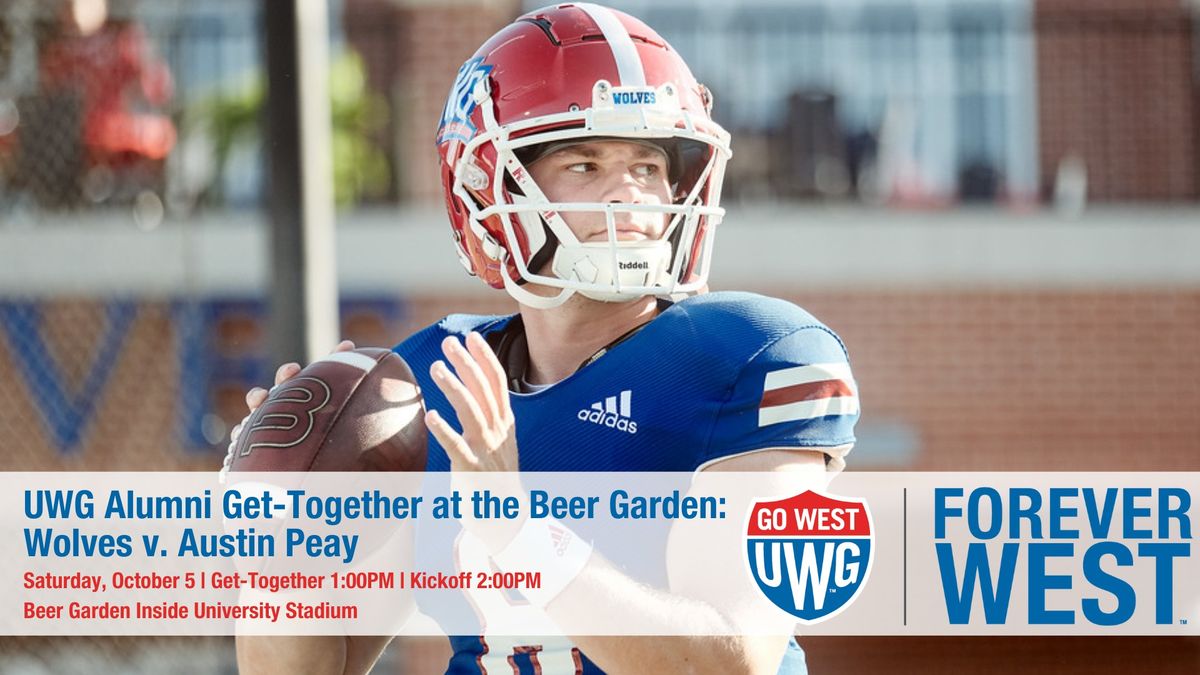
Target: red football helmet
566, 73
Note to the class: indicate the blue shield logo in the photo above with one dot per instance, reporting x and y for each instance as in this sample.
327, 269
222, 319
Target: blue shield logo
810, 554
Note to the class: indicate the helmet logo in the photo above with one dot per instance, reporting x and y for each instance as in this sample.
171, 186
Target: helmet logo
456, 116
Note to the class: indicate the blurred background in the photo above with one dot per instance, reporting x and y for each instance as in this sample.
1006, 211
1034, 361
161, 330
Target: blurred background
996, 203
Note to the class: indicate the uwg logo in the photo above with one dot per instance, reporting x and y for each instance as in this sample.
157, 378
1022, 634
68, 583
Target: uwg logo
810, 554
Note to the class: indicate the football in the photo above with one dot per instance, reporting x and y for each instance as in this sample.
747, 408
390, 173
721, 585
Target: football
357, 410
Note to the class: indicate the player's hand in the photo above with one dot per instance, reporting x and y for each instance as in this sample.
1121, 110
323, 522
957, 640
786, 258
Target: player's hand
257, 396
478, 391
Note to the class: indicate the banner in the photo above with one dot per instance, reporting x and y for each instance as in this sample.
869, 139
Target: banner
718, 553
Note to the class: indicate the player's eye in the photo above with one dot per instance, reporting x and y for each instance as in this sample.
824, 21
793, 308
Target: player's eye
646, 170
580, 167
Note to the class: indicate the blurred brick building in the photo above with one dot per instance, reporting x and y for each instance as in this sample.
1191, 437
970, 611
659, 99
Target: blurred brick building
412, 49
1118, 87
1115, 85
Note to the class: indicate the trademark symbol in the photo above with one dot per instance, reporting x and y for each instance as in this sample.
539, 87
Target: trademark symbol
1183, 622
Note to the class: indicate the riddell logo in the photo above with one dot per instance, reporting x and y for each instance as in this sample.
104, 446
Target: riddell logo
612, 413
643, 265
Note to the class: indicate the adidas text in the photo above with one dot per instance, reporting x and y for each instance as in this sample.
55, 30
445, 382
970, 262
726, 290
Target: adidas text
611, 420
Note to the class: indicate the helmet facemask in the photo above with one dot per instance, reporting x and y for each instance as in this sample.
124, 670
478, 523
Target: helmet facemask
538, 240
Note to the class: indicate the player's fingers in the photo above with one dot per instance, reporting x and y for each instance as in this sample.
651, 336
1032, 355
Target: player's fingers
286, 372
469, 413
344, 346
496, 377
471, 374
455, 445
255, 397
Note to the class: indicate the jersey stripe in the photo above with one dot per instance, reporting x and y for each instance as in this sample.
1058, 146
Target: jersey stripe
629, 64
805, 392
805, 410
816, 372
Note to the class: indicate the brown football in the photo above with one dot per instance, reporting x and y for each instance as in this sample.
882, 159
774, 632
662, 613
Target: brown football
359, 410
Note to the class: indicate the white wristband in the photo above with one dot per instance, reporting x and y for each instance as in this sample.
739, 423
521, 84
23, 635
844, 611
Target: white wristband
547, 546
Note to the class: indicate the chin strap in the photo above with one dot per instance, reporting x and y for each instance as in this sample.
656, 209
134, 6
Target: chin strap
638, 265
525, 297
622, 266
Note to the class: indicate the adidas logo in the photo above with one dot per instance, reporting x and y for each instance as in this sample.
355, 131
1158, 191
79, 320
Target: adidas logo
560, 539
611, 413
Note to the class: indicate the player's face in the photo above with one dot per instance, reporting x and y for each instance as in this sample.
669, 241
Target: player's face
609, 172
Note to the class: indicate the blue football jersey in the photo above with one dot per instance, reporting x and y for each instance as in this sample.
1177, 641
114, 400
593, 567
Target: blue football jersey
711, 377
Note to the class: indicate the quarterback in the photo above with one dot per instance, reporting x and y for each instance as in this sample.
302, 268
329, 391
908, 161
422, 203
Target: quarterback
582, 174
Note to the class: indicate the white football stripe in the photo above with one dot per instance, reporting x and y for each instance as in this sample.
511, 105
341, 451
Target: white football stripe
804, 410
817, 372
360, 361
629, 64
626, 398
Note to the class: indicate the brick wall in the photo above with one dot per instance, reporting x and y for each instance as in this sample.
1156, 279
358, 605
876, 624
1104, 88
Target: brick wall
982, 379
1033, 380
1116, 87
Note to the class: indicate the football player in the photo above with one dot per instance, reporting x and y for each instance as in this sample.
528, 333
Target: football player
582, 173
